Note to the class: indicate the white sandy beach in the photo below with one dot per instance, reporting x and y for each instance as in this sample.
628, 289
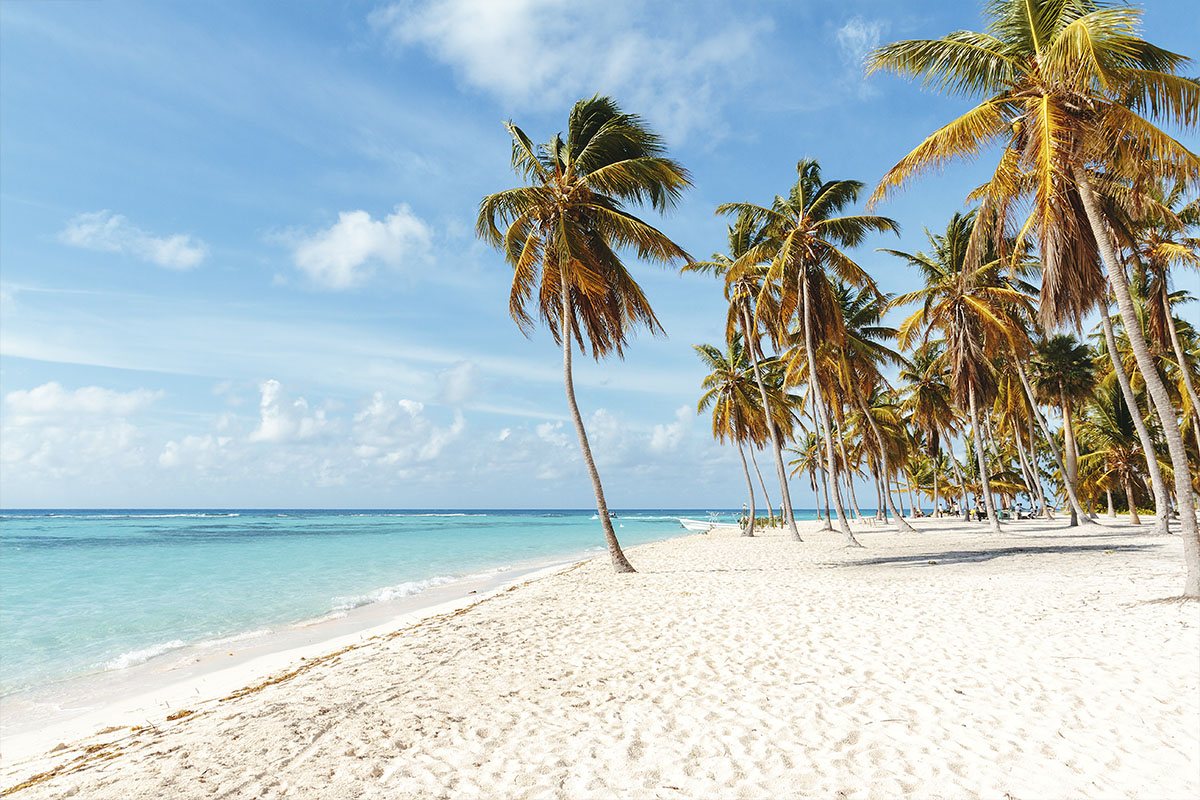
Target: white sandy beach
1036, 664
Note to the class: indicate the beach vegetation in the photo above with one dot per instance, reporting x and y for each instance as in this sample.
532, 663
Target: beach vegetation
1070, 94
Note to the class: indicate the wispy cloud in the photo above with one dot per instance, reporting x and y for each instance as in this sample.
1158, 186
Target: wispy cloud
346, 253
107, 232
542, 54
855, 39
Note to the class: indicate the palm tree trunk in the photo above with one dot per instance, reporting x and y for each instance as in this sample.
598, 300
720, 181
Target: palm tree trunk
785, 495
1112, 512
763, 486
1154, 386
1069, 445
1134, 519
1025, 471
936, 499
828, 518
1162, 503
1033, 468
901, 523
879, 505
913, 505
1072, 497
1183, 368
748, 530
849, 475
984, 488
620, 563
815, 385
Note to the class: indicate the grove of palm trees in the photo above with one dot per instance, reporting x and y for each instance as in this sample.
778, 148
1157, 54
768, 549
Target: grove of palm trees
1043, 362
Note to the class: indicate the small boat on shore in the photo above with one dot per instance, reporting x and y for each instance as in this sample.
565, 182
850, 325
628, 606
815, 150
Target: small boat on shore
704, 526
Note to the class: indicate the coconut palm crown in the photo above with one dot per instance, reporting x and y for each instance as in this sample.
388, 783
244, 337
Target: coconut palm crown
566, 227
1066, 85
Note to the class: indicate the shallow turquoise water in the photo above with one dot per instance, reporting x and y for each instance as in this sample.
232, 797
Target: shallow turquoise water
84, 591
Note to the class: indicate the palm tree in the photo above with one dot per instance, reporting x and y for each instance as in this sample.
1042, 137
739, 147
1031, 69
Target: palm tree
1107, 430
943, 266
1162, 499
808, 458
927, 401
745, 276
1156, 241
1065, 88
1065, 375
861, 357
737, 413
971, 311
562, 232
805, 242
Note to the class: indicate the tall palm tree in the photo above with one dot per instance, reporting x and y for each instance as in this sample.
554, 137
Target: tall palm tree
805, 242
1065, 375
737, 412
927, 401
1067, 90
562, 233
747, 293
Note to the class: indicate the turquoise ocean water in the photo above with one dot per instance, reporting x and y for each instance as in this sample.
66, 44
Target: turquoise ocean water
83, 592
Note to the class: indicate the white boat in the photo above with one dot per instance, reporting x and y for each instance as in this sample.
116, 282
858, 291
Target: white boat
704, 526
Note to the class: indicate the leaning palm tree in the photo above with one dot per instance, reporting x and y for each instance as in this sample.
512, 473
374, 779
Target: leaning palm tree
805, 242
562, 232
1067, 88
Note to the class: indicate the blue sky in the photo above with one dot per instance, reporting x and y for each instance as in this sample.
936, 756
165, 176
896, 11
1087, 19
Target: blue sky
237, 251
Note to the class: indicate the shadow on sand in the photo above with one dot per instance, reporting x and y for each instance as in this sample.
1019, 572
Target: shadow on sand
968, 556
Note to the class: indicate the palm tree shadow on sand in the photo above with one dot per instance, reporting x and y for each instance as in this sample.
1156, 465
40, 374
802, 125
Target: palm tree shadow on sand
970, 556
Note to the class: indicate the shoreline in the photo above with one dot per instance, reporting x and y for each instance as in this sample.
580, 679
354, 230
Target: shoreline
951, 662
36, 720
171, 672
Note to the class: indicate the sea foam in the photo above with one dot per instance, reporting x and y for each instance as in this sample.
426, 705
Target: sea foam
134, 657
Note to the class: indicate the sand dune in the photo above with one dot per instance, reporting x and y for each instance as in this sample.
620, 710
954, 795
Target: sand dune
1029, 665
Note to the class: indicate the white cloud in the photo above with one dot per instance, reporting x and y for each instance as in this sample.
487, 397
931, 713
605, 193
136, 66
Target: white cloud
544, 53
199, 452
552, 433
112, 233
52, 400
52, 432
668, 438
397, 432
281, 421
345, 254
855, 39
